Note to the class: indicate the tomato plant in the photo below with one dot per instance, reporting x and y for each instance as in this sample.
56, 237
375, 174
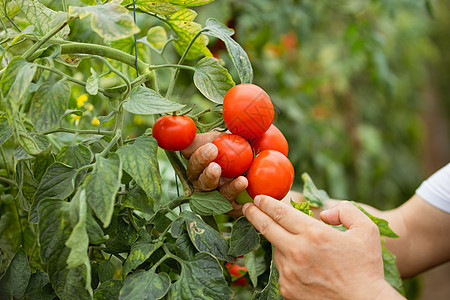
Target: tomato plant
247, 110
234, 154
272, 139
174, 132
270, 173
237, 273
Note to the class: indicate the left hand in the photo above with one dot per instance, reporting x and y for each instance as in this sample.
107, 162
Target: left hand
316, 261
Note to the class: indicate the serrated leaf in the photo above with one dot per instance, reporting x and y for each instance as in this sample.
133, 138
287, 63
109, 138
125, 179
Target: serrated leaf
391, 273
41, 17
157, 37
236, 52
102, 185
137, 199
176, 229
75, 156
212, 80
184, 248
39, 288
190, 2
124, 236
272, 290
92, 83
382, 224
182, 23
205, 238
106, 271
55, 227
145, 285
49, 104
140, 251
144, 101
111, 20
209, 203
5, 129
41, 164
15, 280
303, 207
162, 7
244, 238
200, 278
311, 193
17, 78
140, 161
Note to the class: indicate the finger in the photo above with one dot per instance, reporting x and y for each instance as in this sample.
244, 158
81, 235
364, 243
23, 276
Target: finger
330, 203
200, 140
348, 215
273, 232
209, 178
285, 215
200, 160
231, 189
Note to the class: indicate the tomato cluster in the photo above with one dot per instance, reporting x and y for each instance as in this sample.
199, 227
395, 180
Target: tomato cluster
248, 113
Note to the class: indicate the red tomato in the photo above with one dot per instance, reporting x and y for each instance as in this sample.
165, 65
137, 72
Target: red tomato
236, 271
174, 132
271, 173
272, 139
234, 156
247, 110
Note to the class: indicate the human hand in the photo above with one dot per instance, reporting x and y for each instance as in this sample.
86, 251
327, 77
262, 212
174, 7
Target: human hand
316, 261
205, 174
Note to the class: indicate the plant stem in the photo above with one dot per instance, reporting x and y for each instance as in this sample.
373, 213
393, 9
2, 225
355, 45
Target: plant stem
111, 144
180, 170
4, 26
12, 22
20, 223
168, 253
8, 180
68, 130
172, 66
4, 160
130, 216
161, 261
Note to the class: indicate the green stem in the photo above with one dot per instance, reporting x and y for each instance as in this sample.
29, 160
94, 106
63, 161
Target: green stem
20, 223
12, 22
46, 37
180, 170
4, 160
4, 26
68, 130
71, 79
111, 144
64, 5
161, 261
8, 180
130, 216
172, 66
168, 253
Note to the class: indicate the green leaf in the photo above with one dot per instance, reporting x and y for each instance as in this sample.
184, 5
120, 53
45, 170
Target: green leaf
311, 193
382, 224
201, 278
41, 17
391, 273
303, 207
140, 251
190, 2
176, 229
75, 156
182, 23
5, 129
92, 83
108, 290
55, 227
144, 101
209, 203
41, 164
244, 238
162, 7
205, 238
106, 271
145, 285
184, 248
39, 288
111, 20
49, 104
157, 37
250, 264
102, 185
124, 236
17, 78
56, 183
89, 2
140, 161
212, 80
236, 52
137, 199
26, 183
15, 280
272, 290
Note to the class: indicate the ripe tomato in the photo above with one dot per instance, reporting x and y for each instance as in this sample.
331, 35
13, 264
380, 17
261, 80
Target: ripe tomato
271, 173
247, 110
236, 271
174, 132
234, 156
272, 139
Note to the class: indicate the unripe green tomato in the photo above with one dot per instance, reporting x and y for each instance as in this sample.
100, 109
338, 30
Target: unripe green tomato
243, 198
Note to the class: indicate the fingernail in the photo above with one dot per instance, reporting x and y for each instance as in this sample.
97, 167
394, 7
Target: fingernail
244, 208
209, 151
214, 169
257, 200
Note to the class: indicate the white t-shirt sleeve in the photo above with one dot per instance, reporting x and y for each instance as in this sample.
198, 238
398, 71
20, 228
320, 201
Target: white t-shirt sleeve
436, 189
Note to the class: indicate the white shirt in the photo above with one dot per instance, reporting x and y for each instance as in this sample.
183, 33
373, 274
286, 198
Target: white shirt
436, 189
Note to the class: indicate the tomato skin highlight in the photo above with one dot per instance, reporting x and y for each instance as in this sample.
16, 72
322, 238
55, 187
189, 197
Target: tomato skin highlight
174, 133
272, 139
234, 154
271, 174
247, 110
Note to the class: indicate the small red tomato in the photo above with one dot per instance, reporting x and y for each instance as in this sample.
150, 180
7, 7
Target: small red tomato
236, 271
272, 139
271, 173
174, 132
234, 155
247, 110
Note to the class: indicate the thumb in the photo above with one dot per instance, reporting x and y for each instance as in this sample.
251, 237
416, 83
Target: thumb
348, 215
